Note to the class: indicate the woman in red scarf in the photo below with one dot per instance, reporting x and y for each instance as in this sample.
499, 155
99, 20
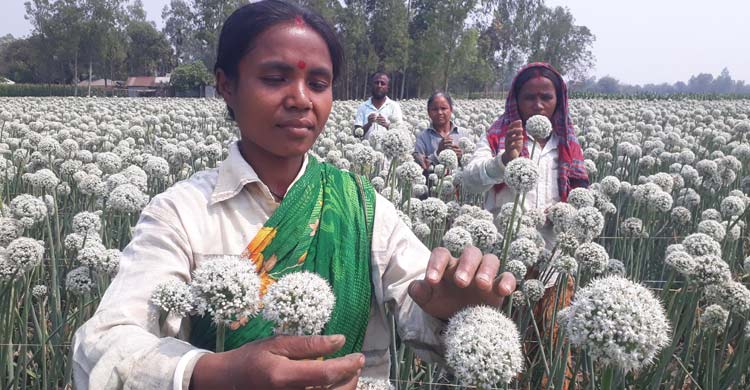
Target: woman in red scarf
538, 89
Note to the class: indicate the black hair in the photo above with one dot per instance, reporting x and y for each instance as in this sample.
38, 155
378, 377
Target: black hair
247, 22
439, 94
379, 73
538, 71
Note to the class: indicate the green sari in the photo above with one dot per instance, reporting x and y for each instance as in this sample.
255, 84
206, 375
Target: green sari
323, 225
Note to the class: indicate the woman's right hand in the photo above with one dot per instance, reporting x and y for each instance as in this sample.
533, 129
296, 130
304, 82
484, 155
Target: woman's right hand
280, 362
445, 143
513, 142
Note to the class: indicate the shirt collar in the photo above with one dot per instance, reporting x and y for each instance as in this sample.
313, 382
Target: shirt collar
235, 173
385, 103
454, 130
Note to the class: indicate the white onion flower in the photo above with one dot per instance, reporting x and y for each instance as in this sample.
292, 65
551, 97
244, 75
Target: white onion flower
483, 233
434, 210
710, 269
449, 159
618, 322
714, 319
581, 197
173, 296
592, 257
127, 198
538, 127
368, 383
78, 281
681, 261
700, 244
521, 175
456, 239
732, 206
713, 229
517, 268
227, 288
28, 209
533, 289
87, 222
587, 223
731, 295
300, 303
22, 255
10, 229
524, 250
483, 347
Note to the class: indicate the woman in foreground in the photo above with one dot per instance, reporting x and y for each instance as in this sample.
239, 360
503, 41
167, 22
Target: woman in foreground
275, 69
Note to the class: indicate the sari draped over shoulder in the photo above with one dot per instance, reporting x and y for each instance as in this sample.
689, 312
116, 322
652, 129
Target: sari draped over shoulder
324, 225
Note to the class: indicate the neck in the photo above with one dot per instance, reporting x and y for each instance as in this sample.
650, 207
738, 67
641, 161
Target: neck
276, 172
377, 102
443, 129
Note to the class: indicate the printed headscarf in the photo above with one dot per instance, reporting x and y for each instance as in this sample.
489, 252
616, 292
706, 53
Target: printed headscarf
571, 170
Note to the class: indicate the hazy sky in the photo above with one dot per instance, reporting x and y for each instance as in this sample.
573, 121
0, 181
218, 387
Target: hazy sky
637, 41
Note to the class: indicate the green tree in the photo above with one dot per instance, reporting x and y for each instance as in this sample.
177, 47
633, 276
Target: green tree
208, 17
149, 52
178, 19
560, 42
188, 77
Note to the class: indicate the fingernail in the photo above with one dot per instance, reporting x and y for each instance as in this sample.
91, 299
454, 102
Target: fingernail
338, 339
432, 275
362, 359
483, 278
462, 276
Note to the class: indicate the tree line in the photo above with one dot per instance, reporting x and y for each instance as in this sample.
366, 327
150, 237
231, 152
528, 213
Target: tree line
703, 83
467, 47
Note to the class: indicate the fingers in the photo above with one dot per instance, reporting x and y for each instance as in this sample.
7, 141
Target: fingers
505, 284
487, 271
314, 373
305, 347
468, 263
440, 258
421, 292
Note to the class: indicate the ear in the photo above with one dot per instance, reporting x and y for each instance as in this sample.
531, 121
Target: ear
225, 86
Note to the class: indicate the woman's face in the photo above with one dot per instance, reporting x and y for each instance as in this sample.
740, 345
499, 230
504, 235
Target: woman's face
439, 111
537, 97
283, 93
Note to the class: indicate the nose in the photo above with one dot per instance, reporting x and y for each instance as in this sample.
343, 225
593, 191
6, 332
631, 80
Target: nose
297, 97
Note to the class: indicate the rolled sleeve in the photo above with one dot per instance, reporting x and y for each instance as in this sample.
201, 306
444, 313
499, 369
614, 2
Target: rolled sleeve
403, 258
125, 345
484, 169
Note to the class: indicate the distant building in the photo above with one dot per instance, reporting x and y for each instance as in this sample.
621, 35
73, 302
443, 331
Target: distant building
106, 84
4, 80
148, 86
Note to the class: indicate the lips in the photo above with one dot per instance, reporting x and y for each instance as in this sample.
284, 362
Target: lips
297, 123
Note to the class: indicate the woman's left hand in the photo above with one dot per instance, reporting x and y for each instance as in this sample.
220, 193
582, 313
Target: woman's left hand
451, 284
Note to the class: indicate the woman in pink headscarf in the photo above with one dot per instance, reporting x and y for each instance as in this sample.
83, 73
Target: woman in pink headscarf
538, 89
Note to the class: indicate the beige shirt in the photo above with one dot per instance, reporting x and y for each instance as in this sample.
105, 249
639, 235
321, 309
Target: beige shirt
484, 171
218, 212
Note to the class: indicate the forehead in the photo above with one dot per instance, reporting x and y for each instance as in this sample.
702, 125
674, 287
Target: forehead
439, 101
291, 42
538, 84
380, 77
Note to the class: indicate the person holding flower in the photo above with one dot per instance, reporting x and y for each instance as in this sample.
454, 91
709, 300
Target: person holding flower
535, 125
285, 212
442, 133
538, 89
